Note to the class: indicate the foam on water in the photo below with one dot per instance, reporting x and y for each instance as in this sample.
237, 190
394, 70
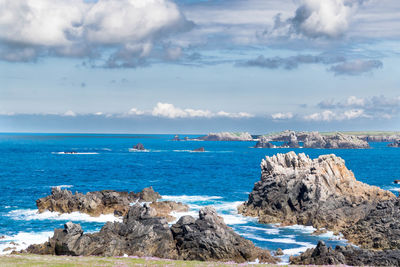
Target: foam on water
75, 153
269, 231
62, 186
22, 240
300, 228
31, 214
186, 198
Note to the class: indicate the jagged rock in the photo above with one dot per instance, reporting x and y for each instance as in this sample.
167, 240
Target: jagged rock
295, 189
395, 144
165, 208
143, 234
293, 142
209, 238
264, 143
200, 149
338, 140
380, 229
349, 255
139, 146
226, 136
93, 203
176, 138
279, 252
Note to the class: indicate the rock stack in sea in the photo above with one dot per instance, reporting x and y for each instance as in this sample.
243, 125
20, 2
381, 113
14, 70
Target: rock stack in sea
106, 202
338, 140
139, 146
396, 143
143, 234
295, 189
264, 143
227, 136
292, 142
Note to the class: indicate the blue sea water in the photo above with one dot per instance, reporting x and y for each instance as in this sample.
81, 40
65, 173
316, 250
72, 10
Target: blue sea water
30, 164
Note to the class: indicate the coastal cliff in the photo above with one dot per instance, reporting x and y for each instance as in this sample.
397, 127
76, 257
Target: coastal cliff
227, 136
143, 234
322, 192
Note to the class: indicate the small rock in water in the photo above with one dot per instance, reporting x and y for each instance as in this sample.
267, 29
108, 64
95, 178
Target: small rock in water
139, 146
200, 149
397, 181
176, 138
279, 252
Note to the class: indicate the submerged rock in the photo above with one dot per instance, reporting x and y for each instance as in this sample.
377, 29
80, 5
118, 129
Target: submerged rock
349, 255
264, 143
295, 189
338, 140
395, 144
200, 149
94, 203
226, 136
143, 234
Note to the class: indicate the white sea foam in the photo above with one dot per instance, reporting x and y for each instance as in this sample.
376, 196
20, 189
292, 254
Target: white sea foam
227, 206
296, 251
138, 150
185, 198
232, 219
62, 186
22, 240
269, 231
75, 153
31, 214
300, 228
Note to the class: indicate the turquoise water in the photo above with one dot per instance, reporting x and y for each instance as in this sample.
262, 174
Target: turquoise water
222, 176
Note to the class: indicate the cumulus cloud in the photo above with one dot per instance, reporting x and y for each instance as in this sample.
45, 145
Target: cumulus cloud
69, 113
127, 30
328, 115
282, 116
135, 111
316, 18
356, 67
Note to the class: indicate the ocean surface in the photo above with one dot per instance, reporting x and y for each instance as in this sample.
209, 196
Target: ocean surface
223, 176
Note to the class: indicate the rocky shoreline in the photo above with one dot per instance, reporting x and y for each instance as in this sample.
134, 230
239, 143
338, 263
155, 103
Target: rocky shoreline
226, 136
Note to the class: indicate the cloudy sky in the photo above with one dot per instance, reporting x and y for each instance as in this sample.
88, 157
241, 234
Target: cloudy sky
193, 66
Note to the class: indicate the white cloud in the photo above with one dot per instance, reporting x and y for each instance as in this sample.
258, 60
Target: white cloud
70, 113
282, 116
326, 115
135, 111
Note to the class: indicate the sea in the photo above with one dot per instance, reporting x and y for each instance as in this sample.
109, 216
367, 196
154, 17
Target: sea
222, 177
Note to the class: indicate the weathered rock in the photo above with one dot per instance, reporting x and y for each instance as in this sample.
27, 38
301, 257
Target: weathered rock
264, 143
209, 238
395, 144
94, 203
139, 146
349, 255
380, 138
200, 149
295, 189
226, 136
380, 229
293, 142
143, 234
279, 252
338, 140
165, 208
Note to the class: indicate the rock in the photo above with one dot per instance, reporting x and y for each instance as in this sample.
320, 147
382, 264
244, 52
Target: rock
209, 238
380, 138
295, 189
293, 142
139, 146
165, 208
176, 138
143, 234
94, 203
336, 141
186, 138
395, 144
349, 255
279, 252
397, 181
9, 248
226, 136
200, 149
264, 143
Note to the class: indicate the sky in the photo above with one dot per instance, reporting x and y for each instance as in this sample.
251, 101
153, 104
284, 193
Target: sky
197, 66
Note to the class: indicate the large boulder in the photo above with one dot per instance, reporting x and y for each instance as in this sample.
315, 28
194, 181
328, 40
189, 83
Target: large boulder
349, 255
295, 189
143, 234
227, 136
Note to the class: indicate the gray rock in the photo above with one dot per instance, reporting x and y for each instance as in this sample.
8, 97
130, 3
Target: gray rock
226, 136
139, 146
395, 143
200, 149
336, 141
293, 142
264, 143
176, 138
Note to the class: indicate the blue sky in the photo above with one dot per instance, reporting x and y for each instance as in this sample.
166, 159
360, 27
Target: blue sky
197, 66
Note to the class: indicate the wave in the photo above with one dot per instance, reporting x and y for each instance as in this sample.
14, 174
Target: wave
61, 186
186, 198
22, 240
75, 153
140, 151
31, 214
299, 228
269, 231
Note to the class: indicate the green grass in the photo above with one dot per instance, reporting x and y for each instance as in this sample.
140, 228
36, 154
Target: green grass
69, 261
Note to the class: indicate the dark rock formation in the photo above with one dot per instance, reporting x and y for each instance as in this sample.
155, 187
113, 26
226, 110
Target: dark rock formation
264, 143
94, 203
176, 138
349, 255
396, 181
139, 146
226, 136
142, 234
380, 229
293, 142
338, 140
322, 192
395, 144
200, 149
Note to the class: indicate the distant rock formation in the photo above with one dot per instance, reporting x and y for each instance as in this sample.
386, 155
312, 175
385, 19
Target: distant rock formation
176, 138
380, 138
338, 140
349, 255
200, 149
226, 136
292, 142
295, 189
264, 143
106, 202
139, 146
143, 234
395, 144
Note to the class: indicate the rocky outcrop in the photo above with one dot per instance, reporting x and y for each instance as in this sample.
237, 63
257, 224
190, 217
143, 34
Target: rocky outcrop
338, 140
349, 255
264, 143
176, 138
295, 189
139, 146
395, 144
143, 234
226, 136
292, 142
200, 149
94, 203
167, 208
380, 138
380, 229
